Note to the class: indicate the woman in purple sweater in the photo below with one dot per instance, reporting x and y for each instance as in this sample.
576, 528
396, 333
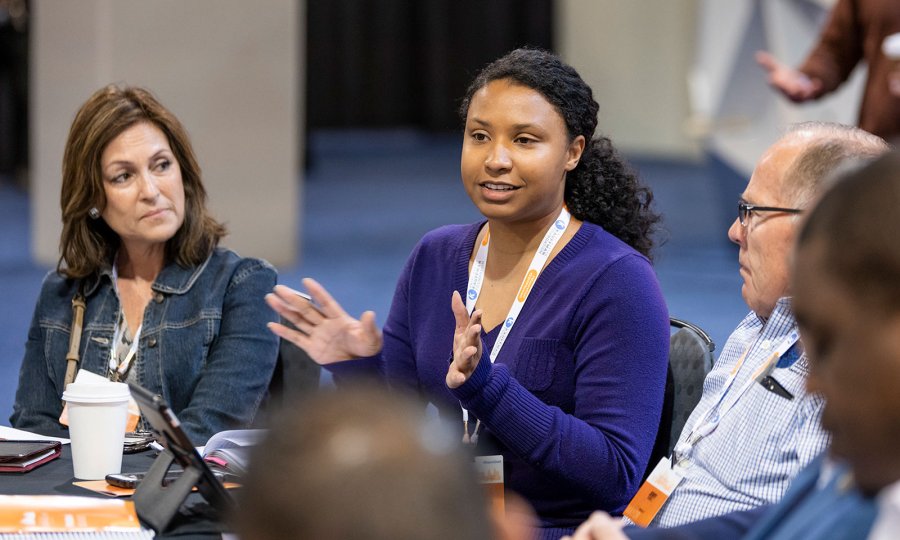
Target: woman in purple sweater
561, 366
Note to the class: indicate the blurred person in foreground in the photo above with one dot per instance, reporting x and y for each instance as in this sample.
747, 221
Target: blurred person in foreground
755, 427
856, 31
161, 305
364, 464
846, 283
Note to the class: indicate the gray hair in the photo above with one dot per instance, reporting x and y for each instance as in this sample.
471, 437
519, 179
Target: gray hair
831, 149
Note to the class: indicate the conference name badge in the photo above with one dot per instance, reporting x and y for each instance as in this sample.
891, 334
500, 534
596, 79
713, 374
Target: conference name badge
650, 499
489, 470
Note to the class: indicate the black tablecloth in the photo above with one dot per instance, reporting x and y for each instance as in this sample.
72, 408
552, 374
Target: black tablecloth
196, 518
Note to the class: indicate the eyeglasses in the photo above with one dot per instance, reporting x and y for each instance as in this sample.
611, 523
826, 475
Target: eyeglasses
745, 209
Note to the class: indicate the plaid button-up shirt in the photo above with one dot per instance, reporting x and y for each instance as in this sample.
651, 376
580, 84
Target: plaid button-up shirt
761, 443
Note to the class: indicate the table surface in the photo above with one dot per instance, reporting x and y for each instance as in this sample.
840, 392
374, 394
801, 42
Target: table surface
195, 519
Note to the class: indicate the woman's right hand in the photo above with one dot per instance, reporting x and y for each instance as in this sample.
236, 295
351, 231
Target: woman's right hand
324, 330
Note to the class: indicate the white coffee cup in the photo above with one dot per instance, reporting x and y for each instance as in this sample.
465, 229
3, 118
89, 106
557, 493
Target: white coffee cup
97, 415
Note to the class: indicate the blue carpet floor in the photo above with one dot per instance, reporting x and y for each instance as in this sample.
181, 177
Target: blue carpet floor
369, 196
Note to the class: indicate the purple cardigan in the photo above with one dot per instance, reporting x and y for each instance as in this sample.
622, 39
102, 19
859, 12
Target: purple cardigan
575, 397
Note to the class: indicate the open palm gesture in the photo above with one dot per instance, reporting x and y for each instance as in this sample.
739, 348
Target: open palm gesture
466, 343
323, 329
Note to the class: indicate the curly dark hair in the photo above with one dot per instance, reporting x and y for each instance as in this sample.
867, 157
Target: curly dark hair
602, 188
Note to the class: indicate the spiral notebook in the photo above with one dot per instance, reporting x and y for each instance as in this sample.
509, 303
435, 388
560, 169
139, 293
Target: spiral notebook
142, 535
61, 516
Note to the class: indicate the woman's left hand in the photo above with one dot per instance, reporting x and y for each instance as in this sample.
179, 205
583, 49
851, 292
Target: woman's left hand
466, 343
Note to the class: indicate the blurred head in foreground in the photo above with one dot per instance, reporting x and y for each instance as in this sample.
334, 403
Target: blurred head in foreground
846, 283
361, 464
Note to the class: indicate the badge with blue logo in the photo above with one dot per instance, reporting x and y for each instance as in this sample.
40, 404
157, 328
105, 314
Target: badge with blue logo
509, 322
472, 294
559, 224
790, 356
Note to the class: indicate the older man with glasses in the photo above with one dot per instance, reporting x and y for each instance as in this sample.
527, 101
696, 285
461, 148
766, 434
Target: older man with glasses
755, 426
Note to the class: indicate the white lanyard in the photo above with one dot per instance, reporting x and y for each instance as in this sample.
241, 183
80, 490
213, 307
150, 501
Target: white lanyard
120, 369
476, 279
708, 422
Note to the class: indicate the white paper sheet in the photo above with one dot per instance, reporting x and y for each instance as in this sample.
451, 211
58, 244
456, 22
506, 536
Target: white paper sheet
13, 434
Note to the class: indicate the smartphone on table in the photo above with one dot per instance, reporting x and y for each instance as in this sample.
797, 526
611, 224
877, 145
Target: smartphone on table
138, 441
131, 480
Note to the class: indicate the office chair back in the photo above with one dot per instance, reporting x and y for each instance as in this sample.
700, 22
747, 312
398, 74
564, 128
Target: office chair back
690, 359
295, 375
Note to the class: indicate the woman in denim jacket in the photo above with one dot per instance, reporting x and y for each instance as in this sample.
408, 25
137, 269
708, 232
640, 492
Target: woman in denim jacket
164, 306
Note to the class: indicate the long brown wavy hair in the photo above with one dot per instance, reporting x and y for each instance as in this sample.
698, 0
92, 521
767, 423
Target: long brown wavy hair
86, 244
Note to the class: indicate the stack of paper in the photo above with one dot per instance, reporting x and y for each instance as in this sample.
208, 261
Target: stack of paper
229, 451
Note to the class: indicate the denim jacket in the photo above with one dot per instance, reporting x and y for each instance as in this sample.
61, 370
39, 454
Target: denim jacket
204, 345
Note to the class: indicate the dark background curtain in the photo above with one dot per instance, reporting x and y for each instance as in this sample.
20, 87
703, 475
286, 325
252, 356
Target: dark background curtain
370, 63
380, 63
13, 88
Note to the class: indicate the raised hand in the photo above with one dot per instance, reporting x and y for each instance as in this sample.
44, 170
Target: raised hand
324, 330
466, 343
792, 83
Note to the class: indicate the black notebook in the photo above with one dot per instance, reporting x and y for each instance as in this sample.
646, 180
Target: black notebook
23, 456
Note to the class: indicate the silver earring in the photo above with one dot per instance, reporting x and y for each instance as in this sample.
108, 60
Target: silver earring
94, 213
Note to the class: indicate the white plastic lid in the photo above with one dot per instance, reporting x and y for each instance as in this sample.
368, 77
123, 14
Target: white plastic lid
891, 46
110, 392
